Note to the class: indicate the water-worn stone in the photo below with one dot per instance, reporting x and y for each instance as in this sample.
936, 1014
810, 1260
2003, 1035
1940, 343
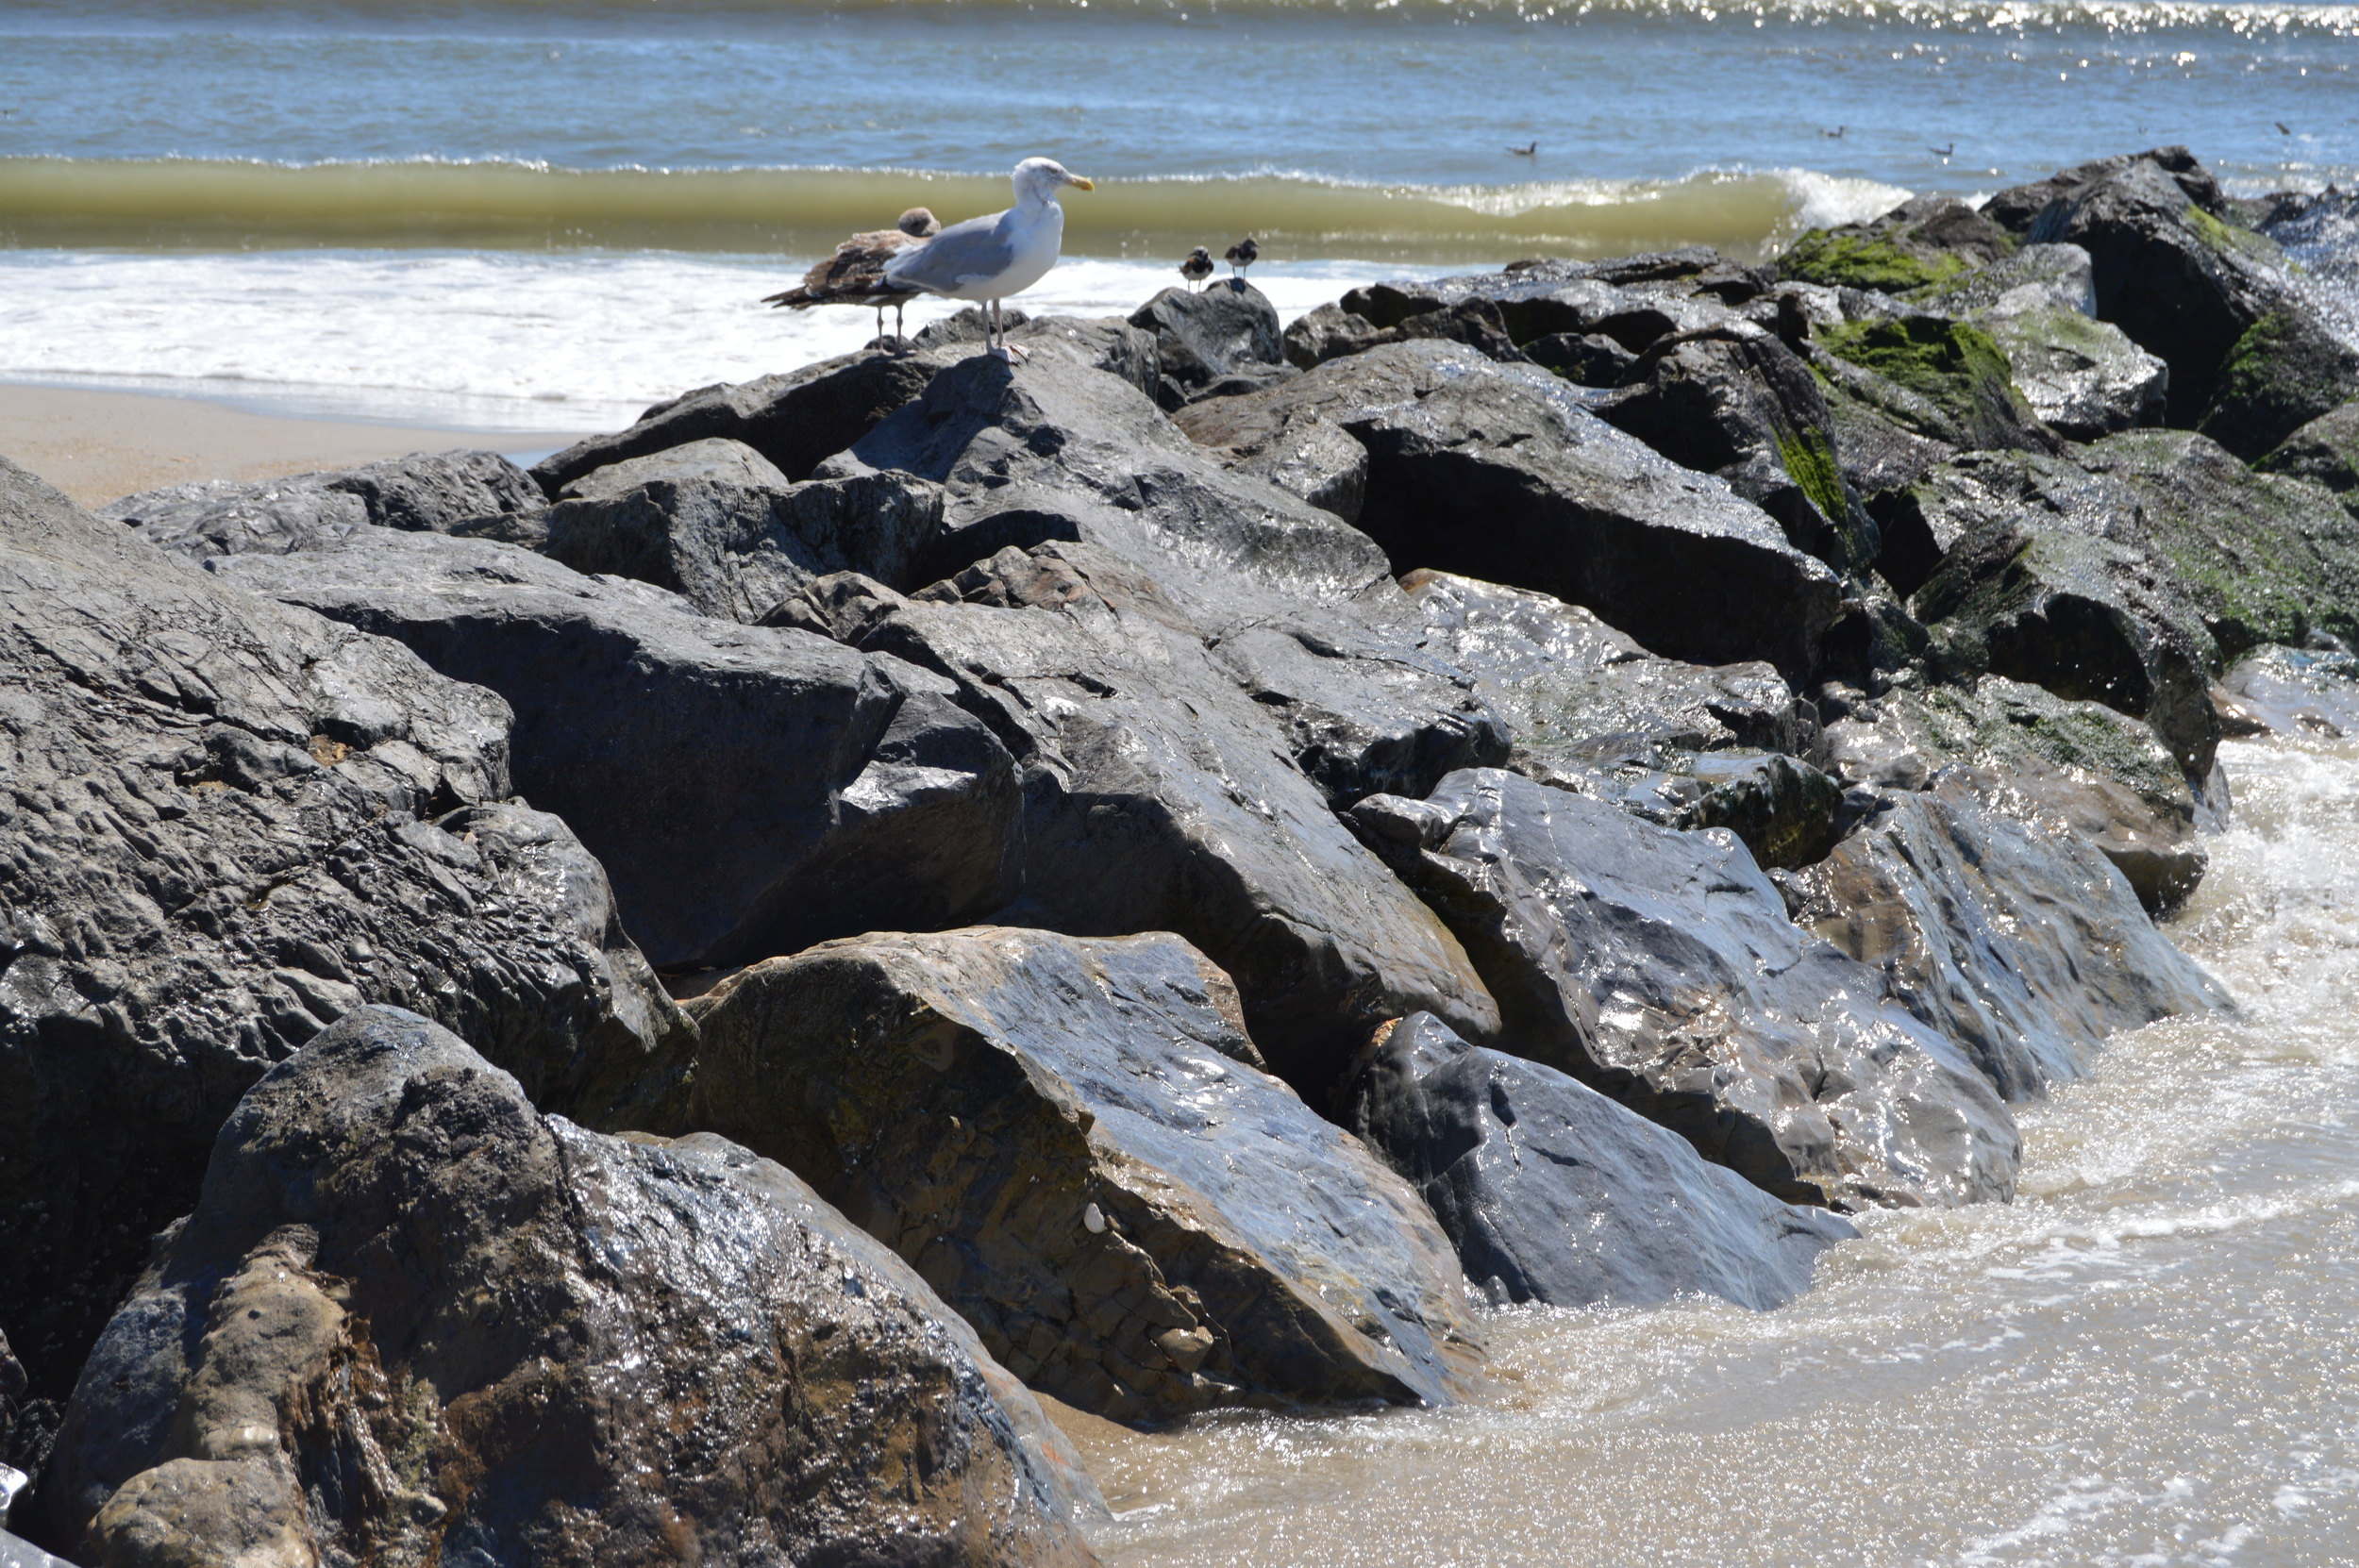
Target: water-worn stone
412, 1319
1202, 337
1330, 332
1184, 778
1944, 378
1073, 1141
1924, 241
800, 418
2326, 450
2261, 558
434, 491
2016, 941
2307, 691
1659, 968
1553, 1193
2082, 377
2018, 207
715, 523
228, 821
750, 790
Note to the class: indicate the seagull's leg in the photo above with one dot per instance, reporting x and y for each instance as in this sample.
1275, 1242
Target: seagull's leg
1013, 353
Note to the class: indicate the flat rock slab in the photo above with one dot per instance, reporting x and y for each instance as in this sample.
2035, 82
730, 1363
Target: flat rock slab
1660, 967
434, 491
227, 822
1555, 1193
1073, 1141
2021, 943
750, 790
412, 1319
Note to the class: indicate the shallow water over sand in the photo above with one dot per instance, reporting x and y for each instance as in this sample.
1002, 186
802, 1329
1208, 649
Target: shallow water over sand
2148, 1358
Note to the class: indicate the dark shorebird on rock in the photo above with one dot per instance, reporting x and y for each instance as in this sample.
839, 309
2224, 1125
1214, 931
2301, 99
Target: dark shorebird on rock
855, 274
1198, 267
1241, 255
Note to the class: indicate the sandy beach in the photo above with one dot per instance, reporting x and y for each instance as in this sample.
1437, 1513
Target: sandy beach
98, 445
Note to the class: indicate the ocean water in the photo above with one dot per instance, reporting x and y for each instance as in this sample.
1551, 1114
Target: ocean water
467, 211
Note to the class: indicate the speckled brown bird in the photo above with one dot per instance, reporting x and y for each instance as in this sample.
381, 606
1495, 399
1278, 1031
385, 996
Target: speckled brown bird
855, 274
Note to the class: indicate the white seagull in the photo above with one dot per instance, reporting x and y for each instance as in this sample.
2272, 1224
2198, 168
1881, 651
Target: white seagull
990, 257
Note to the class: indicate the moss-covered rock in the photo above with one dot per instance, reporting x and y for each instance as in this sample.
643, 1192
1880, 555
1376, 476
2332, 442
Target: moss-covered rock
2263, 557
2326, 450
2084, 378
1927, 241
1953, 365
2288, 369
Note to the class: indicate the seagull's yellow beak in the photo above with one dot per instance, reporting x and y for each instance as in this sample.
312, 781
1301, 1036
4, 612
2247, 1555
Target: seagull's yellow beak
1082, 184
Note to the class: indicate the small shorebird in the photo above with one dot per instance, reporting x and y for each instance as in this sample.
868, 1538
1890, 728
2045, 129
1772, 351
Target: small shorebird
1530, 149
1944, 152
855, 274
1241, 255
1198, 267
990, 257
1836, 133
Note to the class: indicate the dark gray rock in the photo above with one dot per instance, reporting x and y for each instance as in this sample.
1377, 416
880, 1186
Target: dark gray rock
2057, 278
1924, 241
2325, 451
2083, 377
1202, 337
1554, 1194
715, 523
799, 419
1329, 332
1590, 358
412, 1319
1943, 378
435, 491
438, 491
2018, 942
1535, 303
1659, 968
2017, 208
2294, 365
2299, 690
228, 821
1073, 1141
2260, 557
814, 791
1184, 778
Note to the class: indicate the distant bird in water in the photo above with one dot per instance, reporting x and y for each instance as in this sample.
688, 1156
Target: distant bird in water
1241, 255
1944, 152
999, 254
1198, 267
855, 274
2282, 130
1836, 133
1530, 149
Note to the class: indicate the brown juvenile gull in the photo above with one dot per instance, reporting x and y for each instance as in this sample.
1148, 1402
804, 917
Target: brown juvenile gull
1198, 267
855, 274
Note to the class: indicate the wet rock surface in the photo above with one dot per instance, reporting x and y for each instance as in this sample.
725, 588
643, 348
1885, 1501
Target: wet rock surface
812, 790
434, 491
691, 1354
230, 822
2299, 691
1660, 968
1202, 337
1554, 1194
1073, 1141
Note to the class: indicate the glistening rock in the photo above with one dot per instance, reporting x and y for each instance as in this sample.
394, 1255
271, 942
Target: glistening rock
412, 1319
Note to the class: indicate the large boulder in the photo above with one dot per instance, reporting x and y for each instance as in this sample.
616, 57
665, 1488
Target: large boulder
798, 419
2018, 942
2082, 377
2261, 558
412, 1319
1181, 779
2019, 208
1554, 1194
1496, 472
227, 822
1660, 967
1954, 382
1202, 337
1926, 241
434, 491
715, 523
1075, 1142
750, 790
2325, 450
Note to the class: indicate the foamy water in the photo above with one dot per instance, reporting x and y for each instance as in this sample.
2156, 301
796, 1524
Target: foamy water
2148, 1359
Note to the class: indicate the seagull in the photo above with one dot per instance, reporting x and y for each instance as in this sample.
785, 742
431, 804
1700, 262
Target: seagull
1944, 152
1198, 267
990, 257
1836, 133
855, 274
1529, 150
1241, 255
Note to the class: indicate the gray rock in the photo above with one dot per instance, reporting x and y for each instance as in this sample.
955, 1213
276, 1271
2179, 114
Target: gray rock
799, 419
1300, 453
412, 1319
1941, 378
2084, 378
2018, 942
436, 491
1554, 1194
2299, 690
715, 523
1202, 337
16, 1553
1659, 968
2034, 278
2017, 208
2325, 451
814, 791
1073, 1141
1184, 778
228, 821
1329, 332
1590, 358
1922, 243
1536, 303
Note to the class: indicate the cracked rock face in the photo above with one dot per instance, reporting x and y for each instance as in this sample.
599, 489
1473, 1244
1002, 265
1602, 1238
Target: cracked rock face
1553, 1193
750, 790
227, 822
1660, 967
413, 1320
431, 492
1073, 1141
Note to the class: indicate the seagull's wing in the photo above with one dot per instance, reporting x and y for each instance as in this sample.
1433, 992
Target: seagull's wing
963, 253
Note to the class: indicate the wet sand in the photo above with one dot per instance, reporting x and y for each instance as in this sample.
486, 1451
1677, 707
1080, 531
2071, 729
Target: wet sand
98, 445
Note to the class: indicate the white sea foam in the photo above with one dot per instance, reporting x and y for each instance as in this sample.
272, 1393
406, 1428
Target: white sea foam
485, 340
